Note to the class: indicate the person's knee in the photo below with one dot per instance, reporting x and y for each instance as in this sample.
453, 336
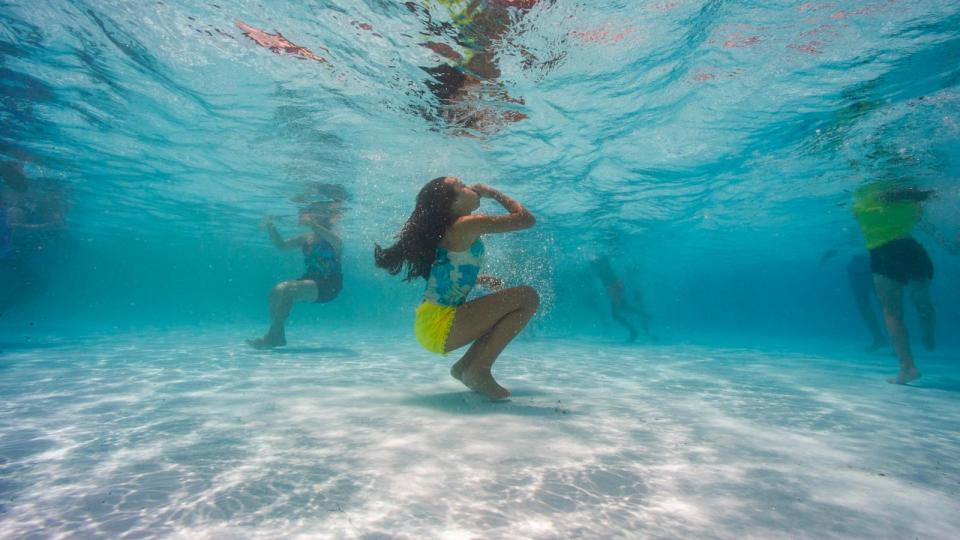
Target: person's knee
281, 289
529, 297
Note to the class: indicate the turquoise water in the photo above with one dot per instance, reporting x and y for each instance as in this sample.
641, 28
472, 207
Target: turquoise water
709, 148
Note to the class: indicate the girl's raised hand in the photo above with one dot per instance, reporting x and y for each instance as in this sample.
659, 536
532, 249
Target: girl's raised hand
483, 190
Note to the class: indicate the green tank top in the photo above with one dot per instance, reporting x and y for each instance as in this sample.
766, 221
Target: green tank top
883, 221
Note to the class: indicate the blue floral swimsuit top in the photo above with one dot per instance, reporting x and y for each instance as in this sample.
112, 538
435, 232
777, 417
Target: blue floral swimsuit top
453, 275
320, 258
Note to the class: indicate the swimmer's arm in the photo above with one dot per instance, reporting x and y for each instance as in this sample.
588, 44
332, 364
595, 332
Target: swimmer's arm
492, 282
443, 50
16, 219
37, 226
827, 255
519, 217
279, 241
468, 228
519, 4
952, 247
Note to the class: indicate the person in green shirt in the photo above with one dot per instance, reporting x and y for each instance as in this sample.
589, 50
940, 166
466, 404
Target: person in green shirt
887, 214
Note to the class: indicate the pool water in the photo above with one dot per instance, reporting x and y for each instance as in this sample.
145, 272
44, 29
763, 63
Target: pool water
710, 150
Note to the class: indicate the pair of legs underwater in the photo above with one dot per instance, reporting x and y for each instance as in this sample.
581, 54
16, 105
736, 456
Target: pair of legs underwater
619, 311
865, 296
890, 292
489, 323
282, 297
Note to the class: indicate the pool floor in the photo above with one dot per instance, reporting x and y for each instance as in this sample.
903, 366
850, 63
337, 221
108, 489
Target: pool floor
190, 434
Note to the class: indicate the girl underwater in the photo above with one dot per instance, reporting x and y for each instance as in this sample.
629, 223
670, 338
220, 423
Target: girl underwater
322, 280
441, 243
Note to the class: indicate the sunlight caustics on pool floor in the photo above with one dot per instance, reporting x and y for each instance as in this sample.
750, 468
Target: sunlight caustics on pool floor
132, 437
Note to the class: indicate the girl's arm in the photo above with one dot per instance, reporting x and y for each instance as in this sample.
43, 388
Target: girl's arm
952, 248
475, 225
295, 242
492, 282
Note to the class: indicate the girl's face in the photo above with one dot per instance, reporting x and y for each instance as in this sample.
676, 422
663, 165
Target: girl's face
311, 219
467, 199
306, 218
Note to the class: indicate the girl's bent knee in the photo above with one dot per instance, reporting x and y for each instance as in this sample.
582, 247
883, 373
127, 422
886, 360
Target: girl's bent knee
529, 297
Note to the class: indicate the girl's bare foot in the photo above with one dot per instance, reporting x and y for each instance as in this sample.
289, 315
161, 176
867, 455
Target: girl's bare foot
905, 376
484, 383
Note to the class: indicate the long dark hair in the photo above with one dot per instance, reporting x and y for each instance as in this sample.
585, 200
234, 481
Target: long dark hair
417, 242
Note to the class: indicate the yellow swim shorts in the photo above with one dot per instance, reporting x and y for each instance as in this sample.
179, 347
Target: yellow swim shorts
432, 325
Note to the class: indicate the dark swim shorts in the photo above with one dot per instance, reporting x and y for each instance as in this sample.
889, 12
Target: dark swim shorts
328, 285
902, 260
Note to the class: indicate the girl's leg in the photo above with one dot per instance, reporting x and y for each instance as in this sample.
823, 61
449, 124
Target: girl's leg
490, 323
890, 293
282, 298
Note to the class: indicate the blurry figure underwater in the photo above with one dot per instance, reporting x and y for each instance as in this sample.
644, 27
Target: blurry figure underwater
864, 293
887, 214
322, 279
620, 305
32, 224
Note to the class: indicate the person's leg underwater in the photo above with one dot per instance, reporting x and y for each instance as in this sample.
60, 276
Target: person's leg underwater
282, 297
617, 311
490, 322
890, 293
920, 295
863, 289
